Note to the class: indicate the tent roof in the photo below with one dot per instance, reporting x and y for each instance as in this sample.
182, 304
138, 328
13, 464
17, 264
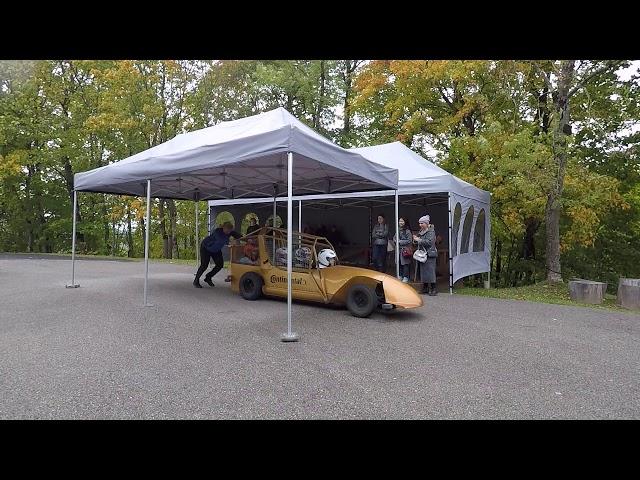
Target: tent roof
417, 174
241, 158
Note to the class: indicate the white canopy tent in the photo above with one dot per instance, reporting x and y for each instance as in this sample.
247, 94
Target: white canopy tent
468, 206
257, 156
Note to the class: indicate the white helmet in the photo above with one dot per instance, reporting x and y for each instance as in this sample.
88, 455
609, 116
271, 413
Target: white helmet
325, 256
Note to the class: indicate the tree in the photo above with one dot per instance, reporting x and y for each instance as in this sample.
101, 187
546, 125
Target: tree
503, 126
568, 83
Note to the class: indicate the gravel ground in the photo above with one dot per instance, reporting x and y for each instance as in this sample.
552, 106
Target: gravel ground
96, 352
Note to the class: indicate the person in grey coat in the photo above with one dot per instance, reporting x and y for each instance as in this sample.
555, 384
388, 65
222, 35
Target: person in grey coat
426, 240
405, 239
380, 237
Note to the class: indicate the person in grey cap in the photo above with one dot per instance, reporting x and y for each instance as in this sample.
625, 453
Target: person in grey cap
426, 240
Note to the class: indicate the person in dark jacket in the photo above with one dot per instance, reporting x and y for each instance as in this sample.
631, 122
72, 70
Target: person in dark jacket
211, 248
253, 226
380, 237
426, 240
404, 241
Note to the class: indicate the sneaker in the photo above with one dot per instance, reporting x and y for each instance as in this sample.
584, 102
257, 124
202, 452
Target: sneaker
405, 280
196, 284
208, 282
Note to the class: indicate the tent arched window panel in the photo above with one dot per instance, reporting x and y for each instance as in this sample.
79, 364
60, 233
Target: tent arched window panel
479, 231
466, 231
223, 217
457, 214
269, 222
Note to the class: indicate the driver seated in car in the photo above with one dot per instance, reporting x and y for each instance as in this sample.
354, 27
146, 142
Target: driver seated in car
327, 258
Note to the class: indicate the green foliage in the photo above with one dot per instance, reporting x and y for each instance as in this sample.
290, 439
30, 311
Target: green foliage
492, 123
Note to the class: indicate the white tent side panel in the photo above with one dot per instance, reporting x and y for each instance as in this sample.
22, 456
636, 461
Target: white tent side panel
466, 260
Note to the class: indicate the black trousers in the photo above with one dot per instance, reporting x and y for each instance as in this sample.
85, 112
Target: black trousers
405, 270
380, 257
205, 258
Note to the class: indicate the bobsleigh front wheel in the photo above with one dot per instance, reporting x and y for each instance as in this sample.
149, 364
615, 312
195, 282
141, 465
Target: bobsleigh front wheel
361, 300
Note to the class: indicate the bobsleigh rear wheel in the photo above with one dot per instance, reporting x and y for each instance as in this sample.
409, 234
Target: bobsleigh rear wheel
251, 286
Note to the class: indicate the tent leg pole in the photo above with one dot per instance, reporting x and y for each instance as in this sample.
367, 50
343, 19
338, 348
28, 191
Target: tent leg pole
197, 202
146, 243
73, 283
370, 253
397, 240
289, 336
300, 222
273, 224
450, 243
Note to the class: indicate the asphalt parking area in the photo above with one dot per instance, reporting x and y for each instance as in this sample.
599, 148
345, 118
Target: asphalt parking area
96, 352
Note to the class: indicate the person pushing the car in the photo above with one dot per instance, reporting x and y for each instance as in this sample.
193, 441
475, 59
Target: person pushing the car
211, 248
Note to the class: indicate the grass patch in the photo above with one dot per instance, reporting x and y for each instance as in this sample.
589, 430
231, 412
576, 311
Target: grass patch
542, 292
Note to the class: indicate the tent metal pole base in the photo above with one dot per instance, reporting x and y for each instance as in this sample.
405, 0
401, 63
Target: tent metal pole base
289, 337
76, 285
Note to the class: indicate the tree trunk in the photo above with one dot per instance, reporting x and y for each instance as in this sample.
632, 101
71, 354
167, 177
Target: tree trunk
105, 224
528, 243
69, 181
143, 232
553, 206
319, 106
129, 233
347, 76
173, 237
27, 192
166, 251
507, 275
552, 222
113, 241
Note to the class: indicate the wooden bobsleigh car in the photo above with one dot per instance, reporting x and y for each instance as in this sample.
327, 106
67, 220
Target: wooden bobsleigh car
258, 267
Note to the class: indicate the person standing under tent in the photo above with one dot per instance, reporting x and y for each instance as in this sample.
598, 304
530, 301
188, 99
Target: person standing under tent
211, 248
426, 240
253, 225
405, 256
380, 236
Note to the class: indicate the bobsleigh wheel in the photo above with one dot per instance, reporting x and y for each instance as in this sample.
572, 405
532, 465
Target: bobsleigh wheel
251, 286
361, 300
